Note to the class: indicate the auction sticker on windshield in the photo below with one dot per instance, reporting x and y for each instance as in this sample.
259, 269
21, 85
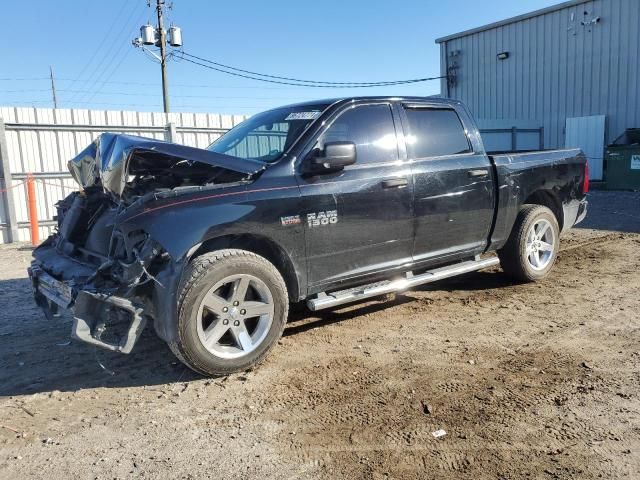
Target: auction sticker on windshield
303, 115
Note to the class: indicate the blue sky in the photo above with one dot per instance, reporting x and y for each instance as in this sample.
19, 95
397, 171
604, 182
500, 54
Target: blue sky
88, 43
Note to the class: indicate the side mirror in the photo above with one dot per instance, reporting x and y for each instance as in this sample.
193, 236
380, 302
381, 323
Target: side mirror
335, 156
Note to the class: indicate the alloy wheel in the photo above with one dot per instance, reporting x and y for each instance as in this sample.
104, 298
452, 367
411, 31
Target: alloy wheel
235, 315
540, 244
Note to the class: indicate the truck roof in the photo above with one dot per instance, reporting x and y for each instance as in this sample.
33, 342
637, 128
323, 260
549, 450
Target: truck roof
331, 101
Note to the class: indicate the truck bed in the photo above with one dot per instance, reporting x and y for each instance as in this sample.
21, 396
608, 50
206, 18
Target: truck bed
523, 176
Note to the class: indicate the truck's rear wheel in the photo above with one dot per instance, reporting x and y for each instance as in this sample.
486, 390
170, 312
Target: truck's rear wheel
232, 309
531, 250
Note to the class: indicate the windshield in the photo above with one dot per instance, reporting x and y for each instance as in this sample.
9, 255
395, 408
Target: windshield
267, 135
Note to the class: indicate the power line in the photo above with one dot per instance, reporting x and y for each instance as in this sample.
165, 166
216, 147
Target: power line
22, 79
144, 94
122, 59
364, 85
99, 72
97, 55
153, 104
29, 90
90, 94
141, 84
114, 70
319, 83
104, 39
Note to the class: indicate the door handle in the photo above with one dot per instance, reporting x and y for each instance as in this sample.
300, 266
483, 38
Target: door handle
478, 173
395, 183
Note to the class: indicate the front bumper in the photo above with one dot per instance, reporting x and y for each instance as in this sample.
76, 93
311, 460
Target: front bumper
95, 314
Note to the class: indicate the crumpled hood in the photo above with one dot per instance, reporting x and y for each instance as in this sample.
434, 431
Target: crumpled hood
106, 160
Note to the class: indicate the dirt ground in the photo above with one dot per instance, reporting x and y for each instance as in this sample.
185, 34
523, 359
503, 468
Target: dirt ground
528, 381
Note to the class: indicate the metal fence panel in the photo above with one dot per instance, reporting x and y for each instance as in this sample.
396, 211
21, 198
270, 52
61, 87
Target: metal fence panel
511, 134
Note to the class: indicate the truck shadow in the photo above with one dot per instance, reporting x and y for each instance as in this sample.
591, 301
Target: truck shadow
37, 355
302, 320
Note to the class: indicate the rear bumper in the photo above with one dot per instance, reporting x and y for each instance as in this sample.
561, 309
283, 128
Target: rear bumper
93, 312
574, 212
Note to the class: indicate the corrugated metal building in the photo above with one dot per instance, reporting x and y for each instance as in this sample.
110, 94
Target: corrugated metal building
571, 68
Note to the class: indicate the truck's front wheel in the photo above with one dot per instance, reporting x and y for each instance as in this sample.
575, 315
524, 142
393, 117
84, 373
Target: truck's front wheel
232, 309
531, 250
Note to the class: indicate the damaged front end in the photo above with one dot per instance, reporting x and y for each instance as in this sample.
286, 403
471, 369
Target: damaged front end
87, 266
107, 270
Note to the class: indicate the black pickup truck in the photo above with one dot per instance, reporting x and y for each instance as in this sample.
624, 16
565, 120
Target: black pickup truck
327, 202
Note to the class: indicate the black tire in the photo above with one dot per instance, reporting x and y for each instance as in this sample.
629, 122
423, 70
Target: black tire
514, 257
203, 273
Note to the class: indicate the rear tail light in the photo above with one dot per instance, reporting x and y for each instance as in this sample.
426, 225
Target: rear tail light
585, 185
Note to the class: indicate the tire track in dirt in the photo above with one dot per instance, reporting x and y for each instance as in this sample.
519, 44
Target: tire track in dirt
501, 365
522, 386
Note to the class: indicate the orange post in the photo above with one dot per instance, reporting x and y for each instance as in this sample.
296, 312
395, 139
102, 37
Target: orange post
33, 210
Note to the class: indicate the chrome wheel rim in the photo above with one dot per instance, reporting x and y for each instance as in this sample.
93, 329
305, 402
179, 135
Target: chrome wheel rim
235, 315
540, 246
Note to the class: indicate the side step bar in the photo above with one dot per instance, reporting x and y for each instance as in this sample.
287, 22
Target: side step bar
327, 300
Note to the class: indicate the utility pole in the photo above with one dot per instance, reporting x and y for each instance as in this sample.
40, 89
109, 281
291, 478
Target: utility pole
163, 55
157, 36
53, 88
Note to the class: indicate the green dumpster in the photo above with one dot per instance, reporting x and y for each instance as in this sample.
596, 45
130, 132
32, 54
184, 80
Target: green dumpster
622, 161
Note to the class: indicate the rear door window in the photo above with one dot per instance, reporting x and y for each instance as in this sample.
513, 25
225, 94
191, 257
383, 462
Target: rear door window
435, 132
